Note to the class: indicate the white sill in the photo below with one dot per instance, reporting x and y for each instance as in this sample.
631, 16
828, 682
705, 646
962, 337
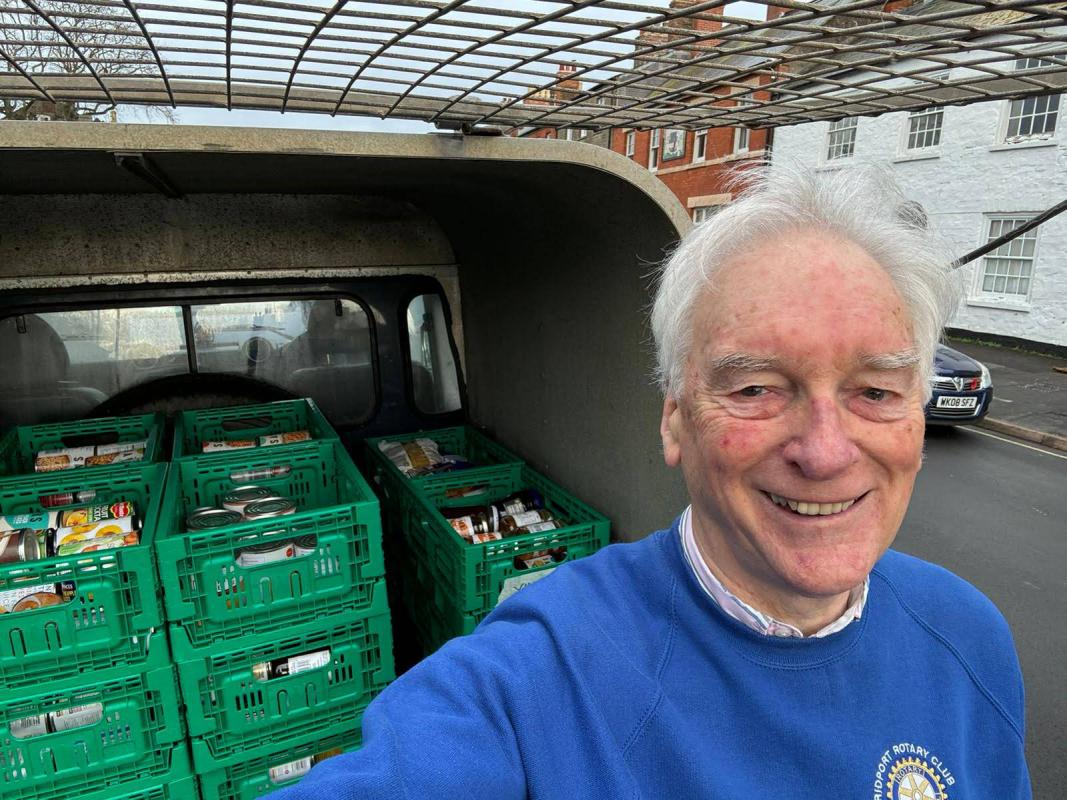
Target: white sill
1025, 144
922, 155
1002, 305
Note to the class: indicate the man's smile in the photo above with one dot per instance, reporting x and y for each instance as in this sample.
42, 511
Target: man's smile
814, 508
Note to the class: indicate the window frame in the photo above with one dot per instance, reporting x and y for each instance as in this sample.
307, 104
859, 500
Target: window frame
405, 353
1008, 106
906, 132
852, 125
700, 145
629, 143
653, 149
992, 297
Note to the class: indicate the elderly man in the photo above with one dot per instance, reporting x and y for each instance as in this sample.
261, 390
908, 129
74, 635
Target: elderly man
767, 644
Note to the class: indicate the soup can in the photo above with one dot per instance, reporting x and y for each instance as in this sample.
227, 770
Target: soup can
95, 530
267, 509
265, 553
206, 519
239, 498
20, 545
306, 545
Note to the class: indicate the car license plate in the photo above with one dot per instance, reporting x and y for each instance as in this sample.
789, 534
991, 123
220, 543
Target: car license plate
957, 402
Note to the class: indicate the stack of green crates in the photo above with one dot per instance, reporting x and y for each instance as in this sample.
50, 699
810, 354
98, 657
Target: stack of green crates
103, 654
448, 584
248, 736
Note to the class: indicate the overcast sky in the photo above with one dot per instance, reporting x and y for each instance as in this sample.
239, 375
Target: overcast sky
272, 119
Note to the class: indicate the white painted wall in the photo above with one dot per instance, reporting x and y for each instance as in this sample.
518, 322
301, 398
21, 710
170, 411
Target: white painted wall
970, 177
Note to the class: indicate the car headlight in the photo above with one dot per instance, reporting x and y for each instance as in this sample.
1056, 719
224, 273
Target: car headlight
986, 380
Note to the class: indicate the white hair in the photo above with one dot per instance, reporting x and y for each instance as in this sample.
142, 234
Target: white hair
863, 206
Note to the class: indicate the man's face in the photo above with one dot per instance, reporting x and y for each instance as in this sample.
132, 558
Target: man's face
799, 432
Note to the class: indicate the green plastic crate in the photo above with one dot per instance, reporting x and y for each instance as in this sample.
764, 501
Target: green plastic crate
232, 712
133, 741
462, 440
216, 599
115, 609
191, 428
474, 576
434, 614
249, 778
19, 446
178, 784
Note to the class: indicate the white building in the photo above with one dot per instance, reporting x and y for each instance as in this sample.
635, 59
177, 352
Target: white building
977, 171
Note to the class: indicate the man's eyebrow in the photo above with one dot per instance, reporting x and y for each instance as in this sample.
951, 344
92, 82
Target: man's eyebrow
742, 362
902, 359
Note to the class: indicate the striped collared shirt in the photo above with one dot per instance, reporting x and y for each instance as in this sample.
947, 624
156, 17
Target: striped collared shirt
744, 613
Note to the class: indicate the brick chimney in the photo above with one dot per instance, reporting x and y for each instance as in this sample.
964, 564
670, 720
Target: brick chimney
566, 88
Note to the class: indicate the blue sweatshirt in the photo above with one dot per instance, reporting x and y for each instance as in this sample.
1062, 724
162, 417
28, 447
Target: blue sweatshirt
618, 677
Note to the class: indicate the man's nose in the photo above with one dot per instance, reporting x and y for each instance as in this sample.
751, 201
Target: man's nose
822, 448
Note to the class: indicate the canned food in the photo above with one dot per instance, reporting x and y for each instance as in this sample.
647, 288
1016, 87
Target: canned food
221, 447
306, 545
265, 509
289, 437
22, 545
206, 519
38, 520
27, 727
37, 600
75, 717
73, 548
240, 497
87, 514
66, 498
263, 474
95, 530
291, 770
10, 598
265, 553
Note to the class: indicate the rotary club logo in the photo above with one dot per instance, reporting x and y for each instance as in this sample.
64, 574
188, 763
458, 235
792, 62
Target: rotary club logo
908, 771
914, 779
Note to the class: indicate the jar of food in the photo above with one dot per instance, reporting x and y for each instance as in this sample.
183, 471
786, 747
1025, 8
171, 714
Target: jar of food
511, 523
519, 502
468, 520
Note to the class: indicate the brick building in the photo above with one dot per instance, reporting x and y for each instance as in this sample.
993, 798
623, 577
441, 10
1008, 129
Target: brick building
695, 165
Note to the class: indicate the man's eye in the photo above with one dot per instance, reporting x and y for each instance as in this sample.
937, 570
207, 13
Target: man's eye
753, 391
875, 394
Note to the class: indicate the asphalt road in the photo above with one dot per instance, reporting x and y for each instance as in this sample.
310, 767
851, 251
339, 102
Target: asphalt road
995, 512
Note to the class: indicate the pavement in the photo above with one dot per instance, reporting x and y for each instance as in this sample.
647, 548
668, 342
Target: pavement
1029, 394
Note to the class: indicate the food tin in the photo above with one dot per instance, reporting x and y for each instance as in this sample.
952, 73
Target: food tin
237, 499
206, 519
27, 727
38, 520
75, 717
20, 545
266, 509
37, 600
306, 545
72, 548
95, 530
265, 553
66, 498
88, 514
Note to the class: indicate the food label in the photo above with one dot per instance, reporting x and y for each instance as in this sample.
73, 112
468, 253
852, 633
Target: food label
290, 770
514, 584
76, 717
320, 658
464, 526
10, 597
235, 444
38, 520
535, 560
88, 514
538, 527
29, 726
481, 538
284, 438
529, 518
71, 548
94, 530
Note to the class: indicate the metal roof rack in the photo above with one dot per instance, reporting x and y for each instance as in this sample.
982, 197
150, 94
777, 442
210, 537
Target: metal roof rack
587, 64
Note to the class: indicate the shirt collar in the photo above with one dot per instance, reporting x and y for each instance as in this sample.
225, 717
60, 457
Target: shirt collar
737, 608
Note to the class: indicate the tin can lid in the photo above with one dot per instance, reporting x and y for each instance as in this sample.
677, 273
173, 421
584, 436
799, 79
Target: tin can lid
266, 547
248, 494
308, 541
273, 507
201, 519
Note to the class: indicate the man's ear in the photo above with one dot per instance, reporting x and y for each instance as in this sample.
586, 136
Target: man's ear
669, 431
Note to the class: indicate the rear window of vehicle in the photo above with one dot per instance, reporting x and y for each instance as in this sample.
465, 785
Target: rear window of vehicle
62, 364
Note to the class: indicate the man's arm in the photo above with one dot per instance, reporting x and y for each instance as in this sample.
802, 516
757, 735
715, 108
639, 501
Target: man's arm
443, 730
